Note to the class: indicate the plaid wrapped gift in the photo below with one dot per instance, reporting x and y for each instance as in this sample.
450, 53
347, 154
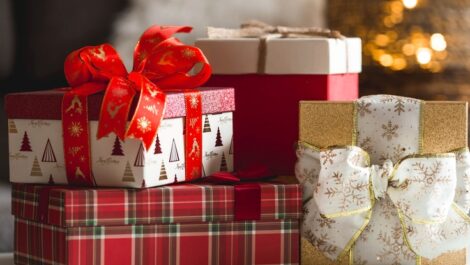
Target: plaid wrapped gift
180, 224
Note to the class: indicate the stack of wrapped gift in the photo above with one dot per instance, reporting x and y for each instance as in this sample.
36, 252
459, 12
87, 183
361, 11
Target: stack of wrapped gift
386, 180
80, 158
271, 69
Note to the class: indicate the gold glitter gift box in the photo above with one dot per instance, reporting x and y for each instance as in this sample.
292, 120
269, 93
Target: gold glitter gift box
443, 127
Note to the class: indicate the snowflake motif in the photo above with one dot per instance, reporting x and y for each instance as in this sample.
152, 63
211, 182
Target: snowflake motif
394, 248
75, 129
366, 144
462, 226
363, 108
325, 222
397, 153
337, 177
188, 53
352, 191
194, 101
390, 130
429, 175
389, 210
327, 157
387, 98
321, 243
143, 124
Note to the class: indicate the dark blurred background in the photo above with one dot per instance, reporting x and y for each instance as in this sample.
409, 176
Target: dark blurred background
416, 48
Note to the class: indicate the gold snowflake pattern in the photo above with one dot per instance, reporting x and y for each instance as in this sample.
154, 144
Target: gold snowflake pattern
351, 191
327, 157
75, 129
188, 53
394, 247
429, 175
144, 125
389, 130
193, 101
321, 242
363, 108
337, 177
366, 144
325, 222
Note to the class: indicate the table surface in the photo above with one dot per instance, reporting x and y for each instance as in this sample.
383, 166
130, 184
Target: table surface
6, 258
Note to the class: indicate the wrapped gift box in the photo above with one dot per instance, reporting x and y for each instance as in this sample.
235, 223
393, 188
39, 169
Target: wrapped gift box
178, 224
267, 100
36, 143
389, 129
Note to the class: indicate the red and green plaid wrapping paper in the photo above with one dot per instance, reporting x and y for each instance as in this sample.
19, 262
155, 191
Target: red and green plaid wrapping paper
237, 243
185, 203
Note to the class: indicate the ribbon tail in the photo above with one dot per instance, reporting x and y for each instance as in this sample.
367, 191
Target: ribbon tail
193, 137
149, 112
115, 107
76, 134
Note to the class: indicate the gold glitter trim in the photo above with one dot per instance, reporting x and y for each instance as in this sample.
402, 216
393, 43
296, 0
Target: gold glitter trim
460, 212
421, 127
345, 214
354, 128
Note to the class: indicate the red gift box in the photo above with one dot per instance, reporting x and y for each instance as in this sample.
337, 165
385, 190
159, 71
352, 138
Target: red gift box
268, 98
178, 224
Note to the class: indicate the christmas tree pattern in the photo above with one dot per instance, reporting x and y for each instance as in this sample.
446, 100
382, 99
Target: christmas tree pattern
174, 152
12, 126
163, 175
158, 148
230, 151
48, 155
223, 163
128, 176
139, 159
51, 180
117, 148
218, 140
36, 169
207, 125
143, 183
25, 146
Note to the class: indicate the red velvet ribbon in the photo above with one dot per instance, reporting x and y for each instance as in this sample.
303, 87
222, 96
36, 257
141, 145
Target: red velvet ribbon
161, 64
247, 196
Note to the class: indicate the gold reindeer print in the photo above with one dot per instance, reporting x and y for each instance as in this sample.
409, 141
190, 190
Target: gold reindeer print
76, 105
195, 148
192, 122
153, 93
113, 109
99, 53
79, 173
164, 59
74, 150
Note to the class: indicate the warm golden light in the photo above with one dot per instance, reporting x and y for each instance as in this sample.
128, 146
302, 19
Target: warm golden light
410, 4
381, 40
423, 55
386, 60
399, 63
408, 49
438, 42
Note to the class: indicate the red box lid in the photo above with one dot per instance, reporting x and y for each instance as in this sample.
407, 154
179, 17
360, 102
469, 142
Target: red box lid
46, 105
184, 203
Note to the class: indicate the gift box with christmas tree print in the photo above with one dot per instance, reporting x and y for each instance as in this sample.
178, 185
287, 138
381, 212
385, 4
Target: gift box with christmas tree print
37, 152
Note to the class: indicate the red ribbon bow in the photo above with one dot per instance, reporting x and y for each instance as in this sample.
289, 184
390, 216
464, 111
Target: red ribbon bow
161, 64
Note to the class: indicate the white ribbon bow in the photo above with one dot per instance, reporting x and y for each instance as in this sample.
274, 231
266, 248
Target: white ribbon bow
431, 195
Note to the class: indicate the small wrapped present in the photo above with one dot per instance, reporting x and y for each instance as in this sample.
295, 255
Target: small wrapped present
178, 224
386, 181
142, 129
272, 69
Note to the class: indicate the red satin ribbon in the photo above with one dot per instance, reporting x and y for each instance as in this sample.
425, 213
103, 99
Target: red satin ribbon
161, 64
247, 196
